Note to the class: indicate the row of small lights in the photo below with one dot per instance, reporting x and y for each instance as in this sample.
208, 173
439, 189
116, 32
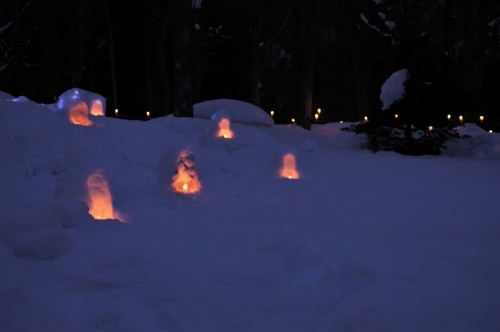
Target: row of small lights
148, 114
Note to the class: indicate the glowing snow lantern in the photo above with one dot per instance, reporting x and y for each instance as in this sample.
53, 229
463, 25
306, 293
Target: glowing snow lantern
491, 131
186, 180
341, 121
293, 120
316, 116
366, 118
272, 113
289, 168
96, 108
100, 203
461, 118
449, 116
396, 116
79, 115
481, 118
430, 128
319, 110
148, 114
116, 112
225, 129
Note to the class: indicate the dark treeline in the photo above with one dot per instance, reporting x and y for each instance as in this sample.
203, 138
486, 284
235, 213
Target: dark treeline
291, 56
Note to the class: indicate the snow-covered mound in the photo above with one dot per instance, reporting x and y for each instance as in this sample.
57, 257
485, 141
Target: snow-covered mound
240, 111
5, 96
393, 88
95, 103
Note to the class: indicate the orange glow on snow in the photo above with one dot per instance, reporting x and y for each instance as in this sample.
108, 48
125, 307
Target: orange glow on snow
100, 203
289, 167
96, 108
79, 115
186, 180
225, 129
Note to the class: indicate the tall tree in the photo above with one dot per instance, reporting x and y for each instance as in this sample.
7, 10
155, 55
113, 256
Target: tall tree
181, 28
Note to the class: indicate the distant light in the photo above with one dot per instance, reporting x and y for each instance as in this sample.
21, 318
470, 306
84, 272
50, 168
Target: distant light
481, 118
461, 118
319, 110
341, 121
293, 120
316, 116
430, 128
272, 113
147, 114
116, 111
224, 136
491, 131
449, 116
366, 118
396, 116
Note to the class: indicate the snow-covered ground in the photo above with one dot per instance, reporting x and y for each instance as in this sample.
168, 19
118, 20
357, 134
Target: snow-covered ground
361, 242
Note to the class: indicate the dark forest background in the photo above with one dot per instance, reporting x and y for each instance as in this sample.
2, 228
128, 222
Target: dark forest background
289, 56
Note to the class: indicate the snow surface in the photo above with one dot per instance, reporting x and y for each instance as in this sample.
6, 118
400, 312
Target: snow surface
393, 88
361, 242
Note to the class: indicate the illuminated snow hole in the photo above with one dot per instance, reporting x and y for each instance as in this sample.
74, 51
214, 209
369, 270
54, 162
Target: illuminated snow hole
289, 169
186, 178
225, 129
100, 201
79, 115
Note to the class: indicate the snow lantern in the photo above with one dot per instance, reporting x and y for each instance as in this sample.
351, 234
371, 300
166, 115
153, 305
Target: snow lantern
100, 202
79, 115
186, 178
289, 169
225, 128
78, 99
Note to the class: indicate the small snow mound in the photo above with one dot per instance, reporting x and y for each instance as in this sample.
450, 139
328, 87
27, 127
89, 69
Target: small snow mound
308, 145
20, 99
393, 88
239, 111
470, 129
479, 146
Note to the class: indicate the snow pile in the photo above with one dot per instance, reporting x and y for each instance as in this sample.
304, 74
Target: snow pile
239, 111
95, 103
393, 88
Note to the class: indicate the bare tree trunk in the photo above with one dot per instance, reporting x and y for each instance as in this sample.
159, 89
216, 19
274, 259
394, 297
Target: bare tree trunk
112, 56
308, 35
473, 54
147, 59
355, 41
19, 41
181, 28
256, 53
81, 43
164, 98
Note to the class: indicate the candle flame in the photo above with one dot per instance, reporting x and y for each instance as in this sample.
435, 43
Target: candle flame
461, 118
79, 115
449, 116
272, 113
293, 120
225, 129
481, 118
289, 167
319, 110
396, 116
316, 116
366, 118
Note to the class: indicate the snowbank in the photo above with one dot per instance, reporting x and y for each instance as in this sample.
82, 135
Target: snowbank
240, 111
